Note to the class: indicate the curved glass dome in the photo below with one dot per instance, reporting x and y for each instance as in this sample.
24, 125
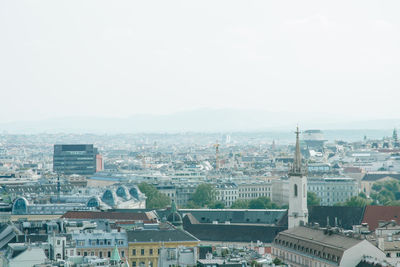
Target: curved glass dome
108, 198
121, 192
93, 202
134, 192
20, 206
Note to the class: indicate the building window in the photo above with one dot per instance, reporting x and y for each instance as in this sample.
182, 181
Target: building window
133, 263
151, 251
92, 253
108, 254
134, 252
295, 190
85, 253
101, 254
58, 242
123, 254
388, 254
142, 251
398, 255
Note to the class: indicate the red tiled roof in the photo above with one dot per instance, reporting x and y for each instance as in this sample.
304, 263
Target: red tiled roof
119, 216
374, 214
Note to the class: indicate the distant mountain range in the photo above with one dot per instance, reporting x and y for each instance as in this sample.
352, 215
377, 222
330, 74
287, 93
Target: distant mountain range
199, 120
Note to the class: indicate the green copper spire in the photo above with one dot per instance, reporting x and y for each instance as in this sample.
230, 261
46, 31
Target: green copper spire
297, 168
115, 255
173, 207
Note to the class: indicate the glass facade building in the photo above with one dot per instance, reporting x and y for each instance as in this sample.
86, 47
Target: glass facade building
74, 159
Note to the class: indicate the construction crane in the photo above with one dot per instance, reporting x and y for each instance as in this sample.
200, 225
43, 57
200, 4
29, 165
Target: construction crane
216, 145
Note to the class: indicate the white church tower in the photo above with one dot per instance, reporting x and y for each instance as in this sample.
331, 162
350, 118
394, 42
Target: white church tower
298, 213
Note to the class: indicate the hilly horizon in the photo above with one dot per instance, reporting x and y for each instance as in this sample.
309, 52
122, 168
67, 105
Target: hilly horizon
198, 120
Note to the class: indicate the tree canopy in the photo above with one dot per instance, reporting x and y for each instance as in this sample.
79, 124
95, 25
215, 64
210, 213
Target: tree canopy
217, 205
312, 199
155, 199
204, 195
240, 204
355, 201
386, 193
258, 203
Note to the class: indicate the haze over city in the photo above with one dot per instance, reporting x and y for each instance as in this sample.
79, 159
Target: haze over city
336, 60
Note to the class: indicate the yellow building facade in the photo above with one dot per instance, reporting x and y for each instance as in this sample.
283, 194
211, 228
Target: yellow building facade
145, 254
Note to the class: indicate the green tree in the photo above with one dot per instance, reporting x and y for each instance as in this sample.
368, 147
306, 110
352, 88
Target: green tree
277, 261
204, 195
377, 186
192, 205
256, 204
362, 195
355, 201
217, 205
240, 204
155, 199
386, 193
312, 199
268, 204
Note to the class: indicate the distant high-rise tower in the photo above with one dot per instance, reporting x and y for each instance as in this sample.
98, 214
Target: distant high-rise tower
298, 212
395, 138
75, 159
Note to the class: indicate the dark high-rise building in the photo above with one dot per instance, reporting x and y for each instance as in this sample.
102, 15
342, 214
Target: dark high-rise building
74, 159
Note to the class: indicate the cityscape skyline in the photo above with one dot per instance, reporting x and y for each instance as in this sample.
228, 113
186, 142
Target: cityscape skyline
199, 133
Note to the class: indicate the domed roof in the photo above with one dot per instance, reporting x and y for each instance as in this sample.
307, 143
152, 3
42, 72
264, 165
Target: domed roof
174, 217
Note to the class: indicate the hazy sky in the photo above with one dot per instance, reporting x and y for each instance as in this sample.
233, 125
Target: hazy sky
118, 58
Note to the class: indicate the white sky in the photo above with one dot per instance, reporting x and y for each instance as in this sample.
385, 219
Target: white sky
119, 58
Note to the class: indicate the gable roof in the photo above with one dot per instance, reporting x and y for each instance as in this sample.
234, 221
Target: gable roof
346, 216
231, 232
374, 214
318, 236
256, 216
316, 242
164, 235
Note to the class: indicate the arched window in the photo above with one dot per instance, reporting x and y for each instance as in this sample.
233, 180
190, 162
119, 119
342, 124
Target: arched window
295, 190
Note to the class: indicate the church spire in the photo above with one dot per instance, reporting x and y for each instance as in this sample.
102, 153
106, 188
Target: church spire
297, 169
173, 207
